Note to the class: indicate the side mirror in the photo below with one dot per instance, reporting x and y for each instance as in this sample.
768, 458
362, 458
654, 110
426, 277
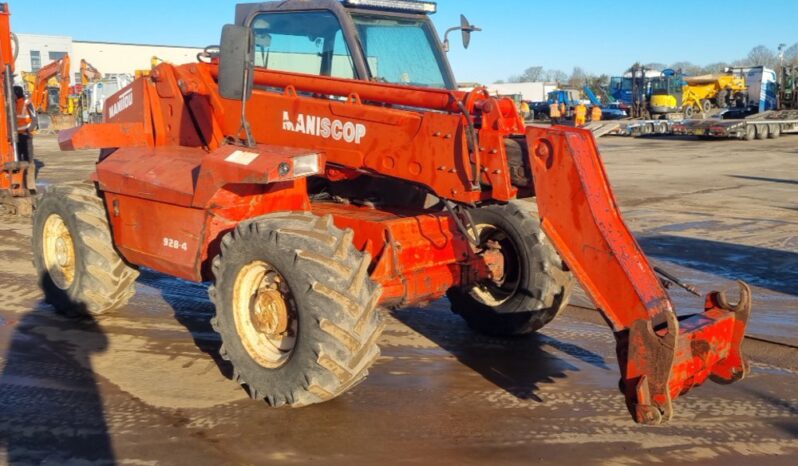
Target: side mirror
466, 28
236, 56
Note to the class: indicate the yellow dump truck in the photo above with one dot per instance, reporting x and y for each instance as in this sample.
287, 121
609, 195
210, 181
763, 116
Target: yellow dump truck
702, 93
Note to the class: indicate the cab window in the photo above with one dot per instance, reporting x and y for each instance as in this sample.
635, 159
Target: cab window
308, 42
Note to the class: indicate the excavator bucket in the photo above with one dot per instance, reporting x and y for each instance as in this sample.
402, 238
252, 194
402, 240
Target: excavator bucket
661, 354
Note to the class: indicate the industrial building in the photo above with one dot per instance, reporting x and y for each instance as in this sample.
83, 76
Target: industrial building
110, 58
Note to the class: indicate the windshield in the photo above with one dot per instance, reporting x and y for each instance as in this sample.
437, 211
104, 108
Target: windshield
401, 51
309, 42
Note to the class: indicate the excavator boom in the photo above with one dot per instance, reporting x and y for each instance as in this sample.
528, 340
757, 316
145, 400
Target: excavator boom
88, 73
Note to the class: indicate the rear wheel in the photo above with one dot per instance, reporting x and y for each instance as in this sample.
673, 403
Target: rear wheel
79, 270
762, 131
296, 309
706, 105
750, 133
774, 131
689, 111
534, 286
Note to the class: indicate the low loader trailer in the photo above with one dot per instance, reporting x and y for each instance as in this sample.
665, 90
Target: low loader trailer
771, 124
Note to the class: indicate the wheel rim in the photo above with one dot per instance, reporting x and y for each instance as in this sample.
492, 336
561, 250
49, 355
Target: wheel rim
265, 314
59, 252
498, 290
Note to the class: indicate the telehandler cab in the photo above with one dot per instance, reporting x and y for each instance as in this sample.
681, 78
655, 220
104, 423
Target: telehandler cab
320, 163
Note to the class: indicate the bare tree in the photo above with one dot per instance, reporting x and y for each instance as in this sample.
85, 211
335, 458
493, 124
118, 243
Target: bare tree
532, 74
578, 77
714, 68
791, 54
554, 76
655, 66
762, 56
687, 68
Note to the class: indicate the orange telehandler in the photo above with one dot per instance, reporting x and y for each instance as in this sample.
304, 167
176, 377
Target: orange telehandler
17, 174
320, 163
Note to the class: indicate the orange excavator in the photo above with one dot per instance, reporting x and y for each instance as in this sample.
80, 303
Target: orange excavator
58, 69
88, 73
17, 172
312, 188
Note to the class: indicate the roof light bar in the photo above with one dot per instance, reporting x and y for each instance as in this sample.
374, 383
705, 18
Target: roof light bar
403, 5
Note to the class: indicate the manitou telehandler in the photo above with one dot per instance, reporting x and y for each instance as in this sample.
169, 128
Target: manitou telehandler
318, 164
17, 172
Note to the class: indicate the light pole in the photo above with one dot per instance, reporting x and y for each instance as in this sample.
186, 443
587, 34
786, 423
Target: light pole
781, 53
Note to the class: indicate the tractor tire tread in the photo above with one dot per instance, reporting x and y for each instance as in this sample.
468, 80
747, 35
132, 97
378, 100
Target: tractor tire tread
107, 282
347, 314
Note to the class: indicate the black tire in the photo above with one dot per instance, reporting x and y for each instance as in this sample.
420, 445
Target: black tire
762, 131
102, 280
706, 106
689, 111
720, 99
750, 133
544, 283
334, 300
774, 132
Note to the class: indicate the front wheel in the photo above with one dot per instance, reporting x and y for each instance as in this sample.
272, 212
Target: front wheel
295, 308
535, 284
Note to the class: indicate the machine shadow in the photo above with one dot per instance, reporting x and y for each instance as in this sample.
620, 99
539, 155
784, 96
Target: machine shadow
788, 425
769, 268
769, 180
517, 365
193, 310
50, 405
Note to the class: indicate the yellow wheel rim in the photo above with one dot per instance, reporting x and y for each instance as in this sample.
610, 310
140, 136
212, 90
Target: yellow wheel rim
265, 314
59, 252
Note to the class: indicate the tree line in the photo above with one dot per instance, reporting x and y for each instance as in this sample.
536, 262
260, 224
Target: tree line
579, 77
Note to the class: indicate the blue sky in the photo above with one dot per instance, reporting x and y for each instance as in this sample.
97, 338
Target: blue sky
602, 36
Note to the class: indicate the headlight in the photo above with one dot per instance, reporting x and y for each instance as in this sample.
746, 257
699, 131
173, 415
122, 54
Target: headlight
403, 5
306, 165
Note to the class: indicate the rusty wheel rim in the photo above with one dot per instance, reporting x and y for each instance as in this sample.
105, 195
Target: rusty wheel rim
59, 252
495, 292
265, 314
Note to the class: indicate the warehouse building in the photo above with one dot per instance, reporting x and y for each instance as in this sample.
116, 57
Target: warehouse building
110, 58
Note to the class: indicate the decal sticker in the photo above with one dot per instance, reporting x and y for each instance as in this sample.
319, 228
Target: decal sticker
241, 157
324, 127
